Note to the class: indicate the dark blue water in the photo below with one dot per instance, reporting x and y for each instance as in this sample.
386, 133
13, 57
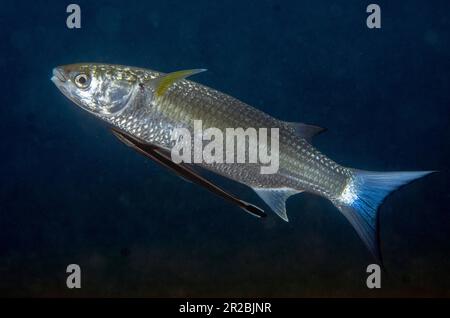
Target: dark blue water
71, 193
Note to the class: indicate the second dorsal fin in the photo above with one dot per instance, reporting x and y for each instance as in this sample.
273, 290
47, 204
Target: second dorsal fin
305, 131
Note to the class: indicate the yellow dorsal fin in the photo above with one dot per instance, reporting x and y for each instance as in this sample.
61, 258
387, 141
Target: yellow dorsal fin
163, 83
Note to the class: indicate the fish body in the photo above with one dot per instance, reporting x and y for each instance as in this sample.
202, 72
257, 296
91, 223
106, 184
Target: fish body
302, 167
151, 105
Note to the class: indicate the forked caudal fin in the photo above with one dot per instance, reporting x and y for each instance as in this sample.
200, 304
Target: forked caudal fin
362, 197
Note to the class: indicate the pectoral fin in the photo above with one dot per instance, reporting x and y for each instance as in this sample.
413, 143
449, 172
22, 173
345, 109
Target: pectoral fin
162, 157
163, 82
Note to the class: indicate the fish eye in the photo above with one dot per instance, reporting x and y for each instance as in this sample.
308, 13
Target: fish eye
82, 80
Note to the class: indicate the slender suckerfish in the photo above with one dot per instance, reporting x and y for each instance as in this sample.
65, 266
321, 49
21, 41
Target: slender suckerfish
144, 107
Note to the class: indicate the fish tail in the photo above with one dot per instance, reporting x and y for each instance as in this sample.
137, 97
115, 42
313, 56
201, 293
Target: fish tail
362, 196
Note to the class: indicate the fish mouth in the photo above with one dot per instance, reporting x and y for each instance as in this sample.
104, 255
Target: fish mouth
58, 76
59, 79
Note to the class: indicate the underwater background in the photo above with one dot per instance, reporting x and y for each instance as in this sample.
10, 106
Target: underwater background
71, 193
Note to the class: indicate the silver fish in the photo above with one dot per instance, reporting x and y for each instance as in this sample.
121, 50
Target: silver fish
150, 105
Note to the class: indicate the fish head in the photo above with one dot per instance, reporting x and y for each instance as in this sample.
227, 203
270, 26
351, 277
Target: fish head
102, 89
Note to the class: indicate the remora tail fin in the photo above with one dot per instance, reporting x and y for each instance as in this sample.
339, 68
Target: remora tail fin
360, 200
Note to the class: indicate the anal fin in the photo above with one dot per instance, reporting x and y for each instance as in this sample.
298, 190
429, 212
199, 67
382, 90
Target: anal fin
276, 198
